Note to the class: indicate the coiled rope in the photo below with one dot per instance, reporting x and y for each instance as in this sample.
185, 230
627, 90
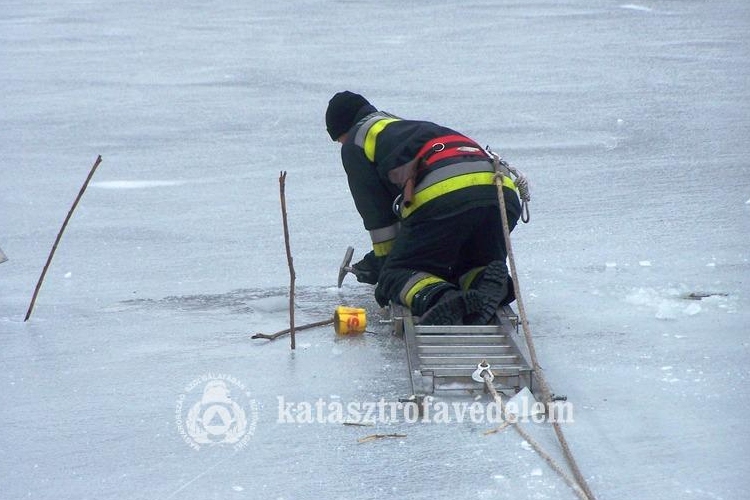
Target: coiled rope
519, 179
501, 170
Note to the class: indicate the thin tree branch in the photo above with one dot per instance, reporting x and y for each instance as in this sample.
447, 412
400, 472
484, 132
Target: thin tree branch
59, 237
280, 333
292, 275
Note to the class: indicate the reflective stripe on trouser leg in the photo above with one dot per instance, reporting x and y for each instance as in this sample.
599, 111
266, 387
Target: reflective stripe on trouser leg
468, 278
416, 283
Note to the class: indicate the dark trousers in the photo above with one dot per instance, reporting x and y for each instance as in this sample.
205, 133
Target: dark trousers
446, 247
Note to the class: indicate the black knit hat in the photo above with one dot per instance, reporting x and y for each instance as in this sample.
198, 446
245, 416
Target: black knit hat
341, 112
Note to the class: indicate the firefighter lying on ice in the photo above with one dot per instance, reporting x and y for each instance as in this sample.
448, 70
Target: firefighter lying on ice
427, 196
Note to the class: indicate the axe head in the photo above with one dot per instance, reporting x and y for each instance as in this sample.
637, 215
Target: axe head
345, 265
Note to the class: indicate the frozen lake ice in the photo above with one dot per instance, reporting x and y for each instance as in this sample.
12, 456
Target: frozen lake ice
631, 119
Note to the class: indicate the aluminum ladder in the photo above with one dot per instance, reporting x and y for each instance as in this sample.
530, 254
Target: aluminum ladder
443, 358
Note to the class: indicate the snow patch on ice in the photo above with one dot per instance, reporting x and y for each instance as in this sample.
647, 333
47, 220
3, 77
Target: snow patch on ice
692, 309
668, 304
667, 309
271, 304
134, 184
719, 300
632, 6
641, 297
644, 263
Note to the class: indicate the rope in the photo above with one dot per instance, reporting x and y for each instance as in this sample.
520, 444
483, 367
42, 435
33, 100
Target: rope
521, 182
544, 386
513, 420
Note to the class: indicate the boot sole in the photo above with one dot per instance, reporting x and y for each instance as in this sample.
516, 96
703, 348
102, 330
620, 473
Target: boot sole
493, 289
453, 310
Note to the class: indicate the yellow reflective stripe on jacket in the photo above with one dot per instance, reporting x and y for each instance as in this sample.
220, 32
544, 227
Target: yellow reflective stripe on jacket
446, 186
368, 129
415, 284
383, 239
384, 233
508, 182
372, 136
383, 248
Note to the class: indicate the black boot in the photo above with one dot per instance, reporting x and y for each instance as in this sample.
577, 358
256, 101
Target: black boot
492, 285
452, 307
429, 296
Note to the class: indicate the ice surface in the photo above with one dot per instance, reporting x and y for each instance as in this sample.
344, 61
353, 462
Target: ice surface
631, 120
133, 184
523, 404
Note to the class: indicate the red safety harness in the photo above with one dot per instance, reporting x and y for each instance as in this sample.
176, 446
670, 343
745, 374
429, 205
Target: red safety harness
433, 151
447, 146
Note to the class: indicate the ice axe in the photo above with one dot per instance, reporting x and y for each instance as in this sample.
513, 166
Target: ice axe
345, 265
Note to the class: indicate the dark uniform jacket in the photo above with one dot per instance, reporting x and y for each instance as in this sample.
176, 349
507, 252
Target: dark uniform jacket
408, 170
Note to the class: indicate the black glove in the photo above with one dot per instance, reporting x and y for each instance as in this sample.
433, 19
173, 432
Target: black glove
368, 269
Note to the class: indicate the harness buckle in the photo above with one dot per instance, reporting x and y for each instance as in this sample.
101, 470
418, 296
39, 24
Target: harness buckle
396, 206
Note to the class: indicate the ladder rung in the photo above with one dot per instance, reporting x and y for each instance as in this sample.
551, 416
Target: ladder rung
472, 339
482, 349
458, 329
466, 371
458, 359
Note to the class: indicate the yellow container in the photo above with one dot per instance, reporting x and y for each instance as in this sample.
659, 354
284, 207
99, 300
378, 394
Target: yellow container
349, 320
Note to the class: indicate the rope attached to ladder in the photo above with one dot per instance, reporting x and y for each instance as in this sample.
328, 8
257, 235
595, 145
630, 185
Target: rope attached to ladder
501, 167
512, 420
